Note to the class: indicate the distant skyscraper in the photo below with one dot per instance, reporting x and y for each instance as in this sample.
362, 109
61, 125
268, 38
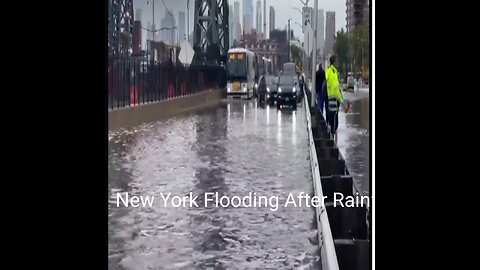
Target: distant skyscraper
237, 30
247, 16
138, 17
321, 31
173, 31
272, 19
137, 36
236, 11
259, 18
154, 33
149, 33
138, 14
230, 24
329, 33
265, 19
169, 33
181, 26
163, 25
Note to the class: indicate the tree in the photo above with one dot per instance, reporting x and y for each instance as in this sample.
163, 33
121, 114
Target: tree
359, 48
126, 43
341, 48
296, 55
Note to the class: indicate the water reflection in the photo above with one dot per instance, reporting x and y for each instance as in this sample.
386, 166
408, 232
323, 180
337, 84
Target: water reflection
120, 175
207, 224
233, 150
354, 140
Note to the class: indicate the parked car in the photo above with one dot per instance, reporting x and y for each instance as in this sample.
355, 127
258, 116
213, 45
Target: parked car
351, 83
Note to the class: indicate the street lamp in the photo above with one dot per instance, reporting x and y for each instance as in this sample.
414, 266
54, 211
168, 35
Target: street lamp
305, 3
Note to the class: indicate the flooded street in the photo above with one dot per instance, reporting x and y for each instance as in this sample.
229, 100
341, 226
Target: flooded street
233, 149
354, 139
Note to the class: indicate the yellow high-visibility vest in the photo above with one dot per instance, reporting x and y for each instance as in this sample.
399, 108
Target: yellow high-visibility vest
333, 86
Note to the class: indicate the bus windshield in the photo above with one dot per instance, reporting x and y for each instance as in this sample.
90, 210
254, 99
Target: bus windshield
237, 66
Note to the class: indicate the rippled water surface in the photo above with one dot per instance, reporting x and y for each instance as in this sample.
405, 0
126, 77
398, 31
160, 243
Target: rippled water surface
234, 149
354, 139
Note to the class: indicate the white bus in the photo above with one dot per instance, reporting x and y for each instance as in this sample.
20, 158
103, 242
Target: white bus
241, 73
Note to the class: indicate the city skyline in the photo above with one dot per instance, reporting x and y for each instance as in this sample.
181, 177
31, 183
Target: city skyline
283, 9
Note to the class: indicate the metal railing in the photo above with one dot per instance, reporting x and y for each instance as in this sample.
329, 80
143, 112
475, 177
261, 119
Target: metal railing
328, 255
132, 82
343, 234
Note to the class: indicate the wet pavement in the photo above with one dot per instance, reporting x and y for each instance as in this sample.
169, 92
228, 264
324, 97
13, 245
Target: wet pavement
354, 138
234, 149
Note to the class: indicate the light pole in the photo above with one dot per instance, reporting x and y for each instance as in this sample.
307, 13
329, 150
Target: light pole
288, 39
305, 39
314, 60
188, 21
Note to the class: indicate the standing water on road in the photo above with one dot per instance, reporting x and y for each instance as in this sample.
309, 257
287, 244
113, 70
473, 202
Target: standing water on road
233, 149
354, 139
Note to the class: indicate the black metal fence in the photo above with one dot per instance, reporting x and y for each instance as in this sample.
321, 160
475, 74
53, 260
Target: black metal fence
132, 82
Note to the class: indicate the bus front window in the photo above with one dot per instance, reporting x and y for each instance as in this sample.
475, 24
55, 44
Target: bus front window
237, 66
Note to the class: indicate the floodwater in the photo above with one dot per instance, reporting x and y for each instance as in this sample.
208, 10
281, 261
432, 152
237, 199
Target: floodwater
233, 149
354, 138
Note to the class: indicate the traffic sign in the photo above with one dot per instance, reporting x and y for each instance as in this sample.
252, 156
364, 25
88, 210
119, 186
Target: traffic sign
186, 53
306, 18
308, 40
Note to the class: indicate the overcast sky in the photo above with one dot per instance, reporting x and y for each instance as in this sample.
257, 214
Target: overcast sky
283, 11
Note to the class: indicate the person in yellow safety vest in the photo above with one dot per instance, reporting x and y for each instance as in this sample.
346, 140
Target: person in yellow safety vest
335, 97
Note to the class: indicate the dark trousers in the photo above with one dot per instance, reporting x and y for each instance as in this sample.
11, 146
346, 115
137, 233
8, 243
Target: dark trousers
322, 102
332, 119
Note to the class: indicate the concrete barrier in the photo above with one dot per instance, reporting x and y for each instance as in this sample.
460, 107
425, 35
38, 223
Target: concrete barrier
136, 115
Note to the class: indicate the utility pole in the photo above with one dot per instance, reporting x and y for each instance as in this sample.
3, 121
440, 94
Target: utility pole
314, 60
153, 18
306, 40
288, 39
188, 21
